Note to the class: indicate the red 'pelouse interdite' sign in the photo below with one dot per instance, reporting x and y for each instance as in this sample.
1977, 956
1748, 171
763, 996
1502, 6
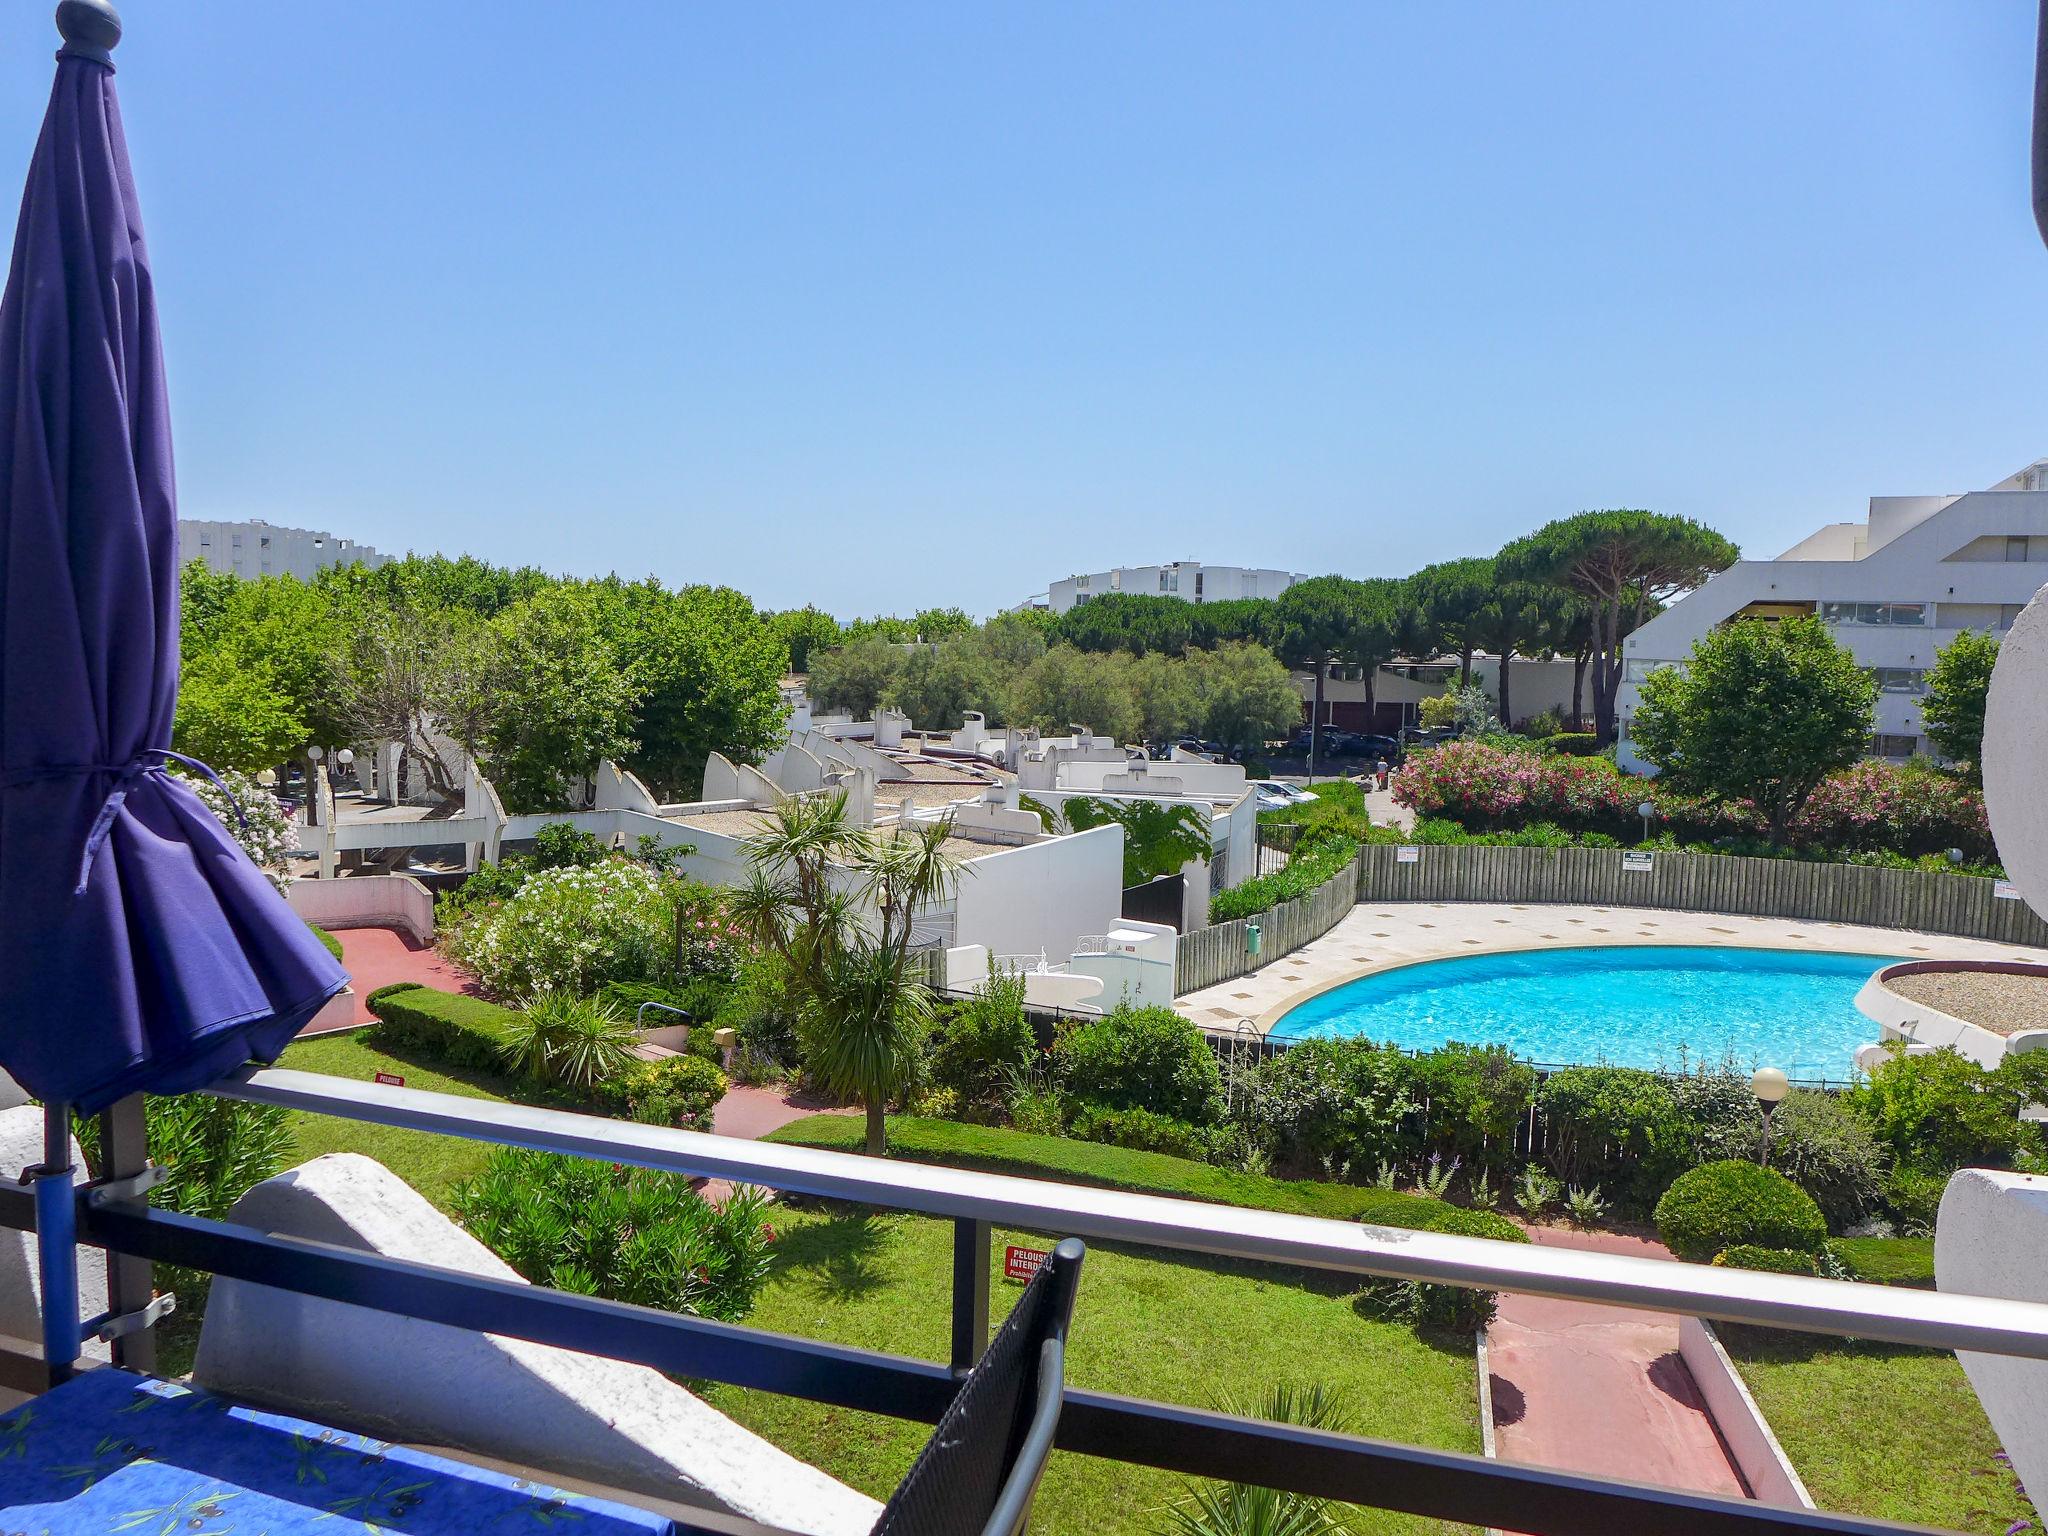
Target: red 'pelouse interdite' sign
1023, 1263
391, 1079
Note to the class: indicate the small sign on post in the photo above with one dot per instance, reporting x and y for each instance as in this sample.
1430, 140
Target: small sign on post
2005, 890
391, 1079
1020, 1264
1636, 862
1407, 853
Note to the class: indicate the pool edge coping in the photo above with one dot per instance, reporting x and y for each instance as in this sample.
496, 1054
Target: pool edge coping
1265, 1021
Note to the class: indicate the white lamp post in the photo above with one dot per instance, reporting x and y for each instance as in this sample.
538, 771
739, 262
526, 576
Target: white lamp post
1770, 1087
1646, 811
267, 778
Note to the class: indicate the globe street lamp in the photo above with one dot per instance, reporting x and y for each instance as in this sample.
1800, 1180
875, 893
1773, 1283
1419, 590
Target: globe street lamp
1770, 1087
267, 778
1646, 811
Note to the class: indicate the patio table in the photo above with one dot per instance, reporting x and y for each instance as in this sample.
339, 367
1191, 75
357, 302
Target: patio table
111, 1451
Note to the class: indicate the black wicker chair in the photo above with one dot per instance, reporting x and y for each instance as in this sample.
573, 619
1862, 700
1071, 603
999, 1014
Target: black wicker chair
978, 1472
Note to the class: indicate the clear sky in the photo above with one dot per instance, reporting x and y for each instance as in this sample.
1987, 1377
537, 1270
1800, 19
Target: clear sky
880, 306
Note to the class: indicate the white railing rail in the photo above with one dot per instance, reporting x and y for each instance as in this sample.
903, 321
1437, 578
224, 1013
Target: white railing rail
1931, 1319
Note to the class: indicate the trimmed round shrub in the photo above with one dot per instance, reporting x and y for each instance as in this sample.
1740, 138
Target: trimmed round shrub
1731, 1204
1776, 1261
1142, 1131
1143, 1058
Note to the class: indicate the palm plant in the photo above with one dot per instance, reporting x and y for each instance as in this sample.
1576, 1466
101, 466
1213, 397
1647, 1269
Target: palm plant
839, 903
576, 1042
1159, 839
1242, 1509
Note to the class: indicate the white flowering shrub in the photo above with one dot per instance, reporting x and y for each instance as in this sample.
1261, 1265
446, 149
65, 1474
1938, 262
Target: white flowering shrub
571, 930
261, 826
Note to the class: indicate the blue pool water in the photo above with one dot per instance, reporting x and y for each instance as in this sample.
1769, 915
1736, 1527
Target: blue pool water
1655, 1006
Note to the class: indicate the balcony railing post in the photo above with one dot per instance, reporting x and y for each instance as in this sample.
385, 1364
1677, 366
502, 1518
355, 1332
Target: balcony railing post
131, 1281
971, 1250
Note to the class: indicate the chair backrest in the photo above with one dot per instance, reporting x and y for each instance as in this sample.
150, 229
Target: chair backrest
978, 1472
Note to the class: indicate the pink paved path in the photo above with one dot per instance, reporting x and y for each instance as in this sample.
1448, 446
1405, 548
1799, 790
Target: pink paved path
754, 1112
1601, 1389
376, 957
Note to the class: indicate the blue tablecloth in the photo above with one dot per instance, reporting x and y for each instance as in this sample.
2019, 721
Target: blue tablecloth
114, 1452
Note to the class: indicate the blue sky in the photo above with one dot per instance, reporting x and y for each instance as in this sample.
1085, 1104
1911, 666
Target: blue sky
879, 306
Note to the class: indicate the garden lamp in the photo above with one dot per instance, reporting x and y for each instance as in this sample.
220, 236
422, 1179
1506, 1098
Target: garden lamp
1955, 855
267, 778
1770, 1087
1646, 811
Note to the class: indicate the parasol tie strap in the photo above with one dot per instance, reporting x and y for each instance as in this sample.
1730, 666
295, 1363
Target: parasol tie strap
149, 760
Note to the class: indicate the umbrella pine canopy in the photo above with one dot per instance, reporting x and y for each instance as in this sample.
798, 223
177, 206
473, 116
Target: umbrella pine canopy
139, 946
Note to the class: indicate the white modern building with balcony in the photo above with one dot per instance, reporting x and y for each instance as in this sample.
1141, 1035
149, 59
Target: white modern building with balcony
1189, 579
255, 548
1896, 587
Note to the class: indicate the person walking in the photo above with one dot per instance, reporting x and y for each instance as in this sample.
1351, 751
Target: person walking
1380, 768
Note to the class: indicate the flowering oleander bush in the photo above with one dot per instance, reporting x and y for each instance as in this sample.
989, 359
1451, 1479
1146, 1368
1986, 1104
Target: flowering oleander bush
265, 833
708, 942
1872, 810
572, 930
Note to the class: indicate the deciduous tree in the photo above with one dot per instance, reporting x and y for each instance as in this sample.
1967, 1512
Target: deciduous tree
1957, 686
1762, 712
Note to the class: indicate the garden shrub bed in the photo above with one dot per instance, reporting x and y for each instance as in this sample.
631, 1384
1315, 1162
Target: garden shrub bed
1874, 812
1314, 862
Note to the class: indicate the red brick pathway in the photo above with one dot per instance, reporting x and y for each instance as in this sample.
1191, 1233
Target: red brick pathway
376, 957
1601, 1389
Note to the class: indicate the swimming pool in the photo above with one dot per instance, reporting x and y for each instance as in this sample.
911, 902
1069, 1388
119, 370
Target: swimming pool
1630, 1006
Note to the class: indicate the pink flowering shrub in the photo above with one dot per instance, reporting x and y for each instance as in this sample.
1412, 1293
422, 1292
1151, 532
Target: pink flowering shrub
1870, 808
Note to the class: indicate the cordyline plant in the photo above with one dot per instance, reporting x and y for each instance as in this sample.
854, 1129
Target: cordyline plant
838, 903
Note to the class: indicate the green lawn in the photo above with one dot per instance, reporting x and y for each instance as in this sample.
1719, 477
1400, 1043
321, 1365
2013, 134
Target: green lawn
1146, 1325
431, 1164
1881, 1430
1888, 1260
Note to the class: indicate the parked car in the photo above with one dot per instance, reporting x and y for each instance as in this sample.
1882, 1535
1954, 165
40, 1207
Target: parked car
1281, 794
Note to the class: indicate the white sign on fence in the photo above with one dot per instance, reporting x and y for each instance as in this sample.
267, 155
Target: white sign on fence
2005, 890
1636, 862
1407, 853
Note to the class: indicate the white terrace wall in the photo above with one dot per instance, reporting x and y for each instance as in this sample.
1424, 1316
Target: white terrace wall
366, 901
1043, 896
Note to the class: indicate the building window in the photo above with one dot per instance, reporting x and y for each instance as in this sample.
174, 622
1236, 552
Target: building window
2016, 549
1899, 679
1883, 614
1885, 744
1639, 671
1198, 583
1116, 581
1082, 582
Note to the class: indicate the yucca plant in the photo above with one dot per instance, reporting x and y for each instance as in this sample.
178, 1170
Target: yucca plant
1585, 1206
575, 1042
1243, 1509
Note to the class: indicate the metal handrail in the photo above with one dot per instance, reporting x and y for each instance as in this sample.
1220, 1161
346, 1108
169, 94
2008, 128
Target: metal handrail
640, 1013
1939, 1320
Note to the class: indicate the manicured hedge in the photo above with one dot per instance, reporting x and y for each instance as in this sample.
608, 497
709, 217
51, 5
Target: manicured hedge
466, 1031
1718, 1206
1776, 1261
1573, 743
333, 945
388, 989
1312, 863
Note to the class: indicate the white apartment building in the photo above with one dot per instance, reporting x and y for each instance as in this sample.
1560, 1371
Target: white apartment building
1896, 587
256, 548
1189, 579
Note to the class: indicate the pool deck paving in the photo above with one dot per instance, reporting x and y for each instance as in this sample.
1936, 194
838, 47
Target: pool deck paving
1381, 936
1599, 1389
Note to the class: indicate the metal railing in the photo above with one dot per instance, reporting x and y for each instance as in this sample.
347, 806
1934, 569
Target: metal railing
1441, 1484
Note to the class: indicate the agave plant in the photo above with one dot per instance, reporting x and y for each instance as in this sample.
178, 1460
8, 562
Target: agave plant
1242, 1509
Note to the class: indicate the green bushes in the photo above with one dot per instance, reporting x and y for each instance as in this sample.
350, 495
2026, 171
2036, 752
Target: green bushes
388, 989
1142, 1058
679, 1091
1718, 1206
1477, 1096
1938, 1111
1424, 1305
980, 1044
1338, 807
1331, 1108
1143, 1131
327, 940
628, 1234
1573, 743
464, 1031
1313, 862
571, 929
1825, 1147
1776, 1261
1617, 1128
